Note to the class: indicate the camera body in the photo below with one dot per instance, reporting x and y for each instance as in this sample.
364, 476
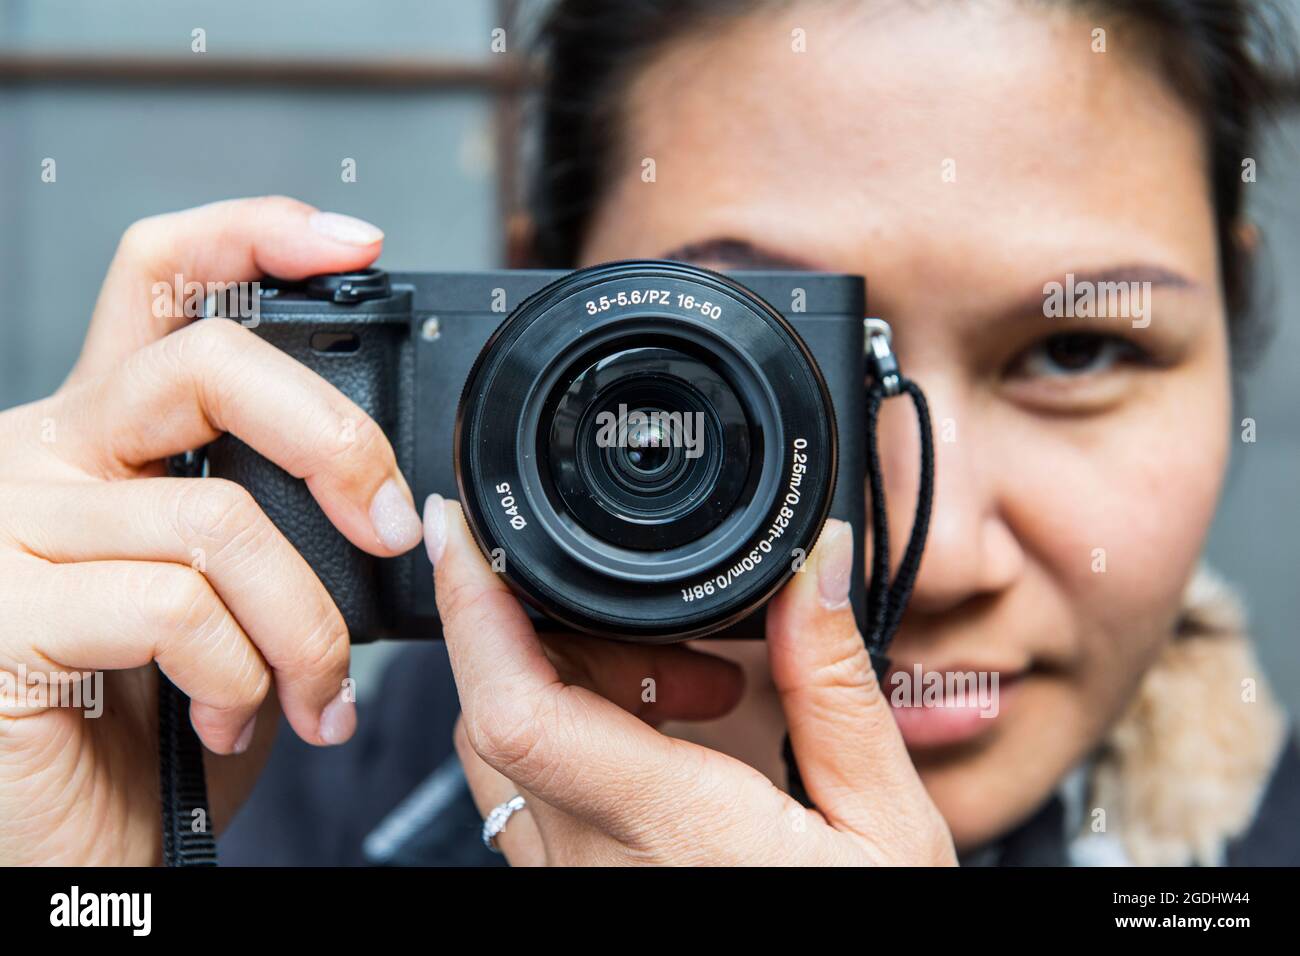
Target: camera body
485, 384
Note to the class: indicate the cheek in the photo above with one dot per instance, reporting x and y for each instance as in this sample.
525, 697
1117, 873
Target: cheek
1116, 512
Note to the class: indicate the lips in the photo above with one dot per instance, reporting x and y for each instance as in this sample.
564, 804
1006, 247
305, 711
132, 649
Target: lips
943, 707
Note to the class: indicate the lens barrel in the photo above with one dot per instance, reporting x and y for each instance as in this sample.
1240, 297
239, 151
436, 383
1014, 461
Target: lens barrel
646, 451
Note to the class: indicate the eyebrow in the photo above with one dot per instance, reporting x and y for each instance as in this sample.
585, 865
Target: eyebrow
1130, 273
731, 253
738, 254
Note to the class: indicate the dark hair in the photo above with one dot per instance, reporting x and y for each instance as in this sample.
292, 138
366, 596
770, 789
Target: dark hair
1220, 55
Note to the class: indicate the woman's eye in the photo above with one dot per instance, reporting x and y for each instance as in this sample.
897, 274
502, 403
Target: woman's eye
1074, 353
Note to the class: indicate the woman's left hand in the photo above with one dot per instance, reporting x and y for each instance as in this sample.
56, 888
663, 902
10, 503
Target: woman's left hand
563, 724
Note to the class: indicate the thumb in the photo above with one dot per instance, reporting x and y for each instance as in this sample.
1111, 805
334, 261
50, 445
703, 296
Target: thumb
848, 747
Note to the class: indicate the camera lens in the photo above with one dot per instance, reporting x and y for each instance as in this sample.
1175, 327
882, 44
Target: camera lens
649, 446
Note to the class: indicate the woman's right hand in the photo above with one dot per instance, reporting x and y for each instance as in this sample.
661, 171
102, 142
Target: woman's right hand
107, 565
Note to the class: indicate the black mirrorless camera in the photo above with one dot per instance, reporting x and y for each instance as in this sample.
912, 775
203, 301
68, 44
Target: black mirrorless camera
646, 450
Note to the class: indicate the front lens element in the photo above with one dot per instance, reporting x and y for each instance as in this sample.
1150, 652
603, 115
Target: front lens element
649, 446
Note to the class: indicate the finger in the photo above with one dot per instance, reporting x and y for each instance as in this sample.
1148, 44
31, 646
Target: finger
656, 683
570, 747
215, 377
215, 530
236, 240
231, 777
848, 748
114, 615
521, 840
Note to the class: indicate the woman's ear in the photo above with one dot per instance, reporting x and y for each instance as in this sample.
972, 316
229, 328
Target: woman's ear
521, 242
1246, 234
1249, 329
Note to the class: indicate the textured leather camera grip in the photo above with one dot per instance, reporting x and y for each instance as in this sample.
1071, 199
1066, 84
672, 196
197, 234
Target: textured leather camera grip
369, 377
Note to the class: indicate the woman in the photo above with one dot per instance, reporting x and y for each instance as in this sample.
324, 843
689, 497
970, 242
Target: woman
967, 159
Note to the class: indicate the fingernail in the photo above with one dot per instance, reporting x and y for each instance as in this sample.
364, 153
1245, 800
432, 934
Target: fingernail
245, 737
435, 528
347, 229
338, 721
396, 524
835, 564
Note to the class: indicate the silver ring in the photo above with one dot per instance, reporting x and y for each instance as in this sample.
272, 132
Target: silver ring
496, 821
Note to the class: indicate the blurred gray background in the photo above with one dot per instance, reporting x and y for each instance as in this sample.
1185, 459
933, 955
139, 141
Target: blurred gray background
138, 124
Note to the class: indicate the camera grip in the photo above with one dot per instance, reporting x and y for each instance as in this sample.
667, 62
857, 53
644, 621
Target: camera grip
348, 573
369, 374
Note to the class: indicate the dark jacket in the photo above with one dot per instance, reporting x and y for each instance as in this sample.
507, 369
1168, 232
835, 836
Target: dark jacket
395, 794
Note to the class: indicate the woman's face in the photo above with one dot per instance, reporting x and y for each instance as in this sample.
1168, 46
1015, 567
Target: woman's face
961, 157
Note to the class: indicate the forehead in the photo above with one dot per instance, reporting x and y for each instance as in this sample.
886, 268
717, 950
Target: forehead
991, 129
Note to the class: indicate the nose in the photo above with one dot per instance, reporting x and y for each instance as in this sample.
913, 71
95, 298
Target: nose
971, 551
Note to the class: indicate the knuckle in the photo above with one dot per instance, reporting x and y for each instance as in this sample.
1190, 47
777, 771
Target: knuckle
277, 204
545, 742
140, 240
240, 684
324, 650
850, 671
352, 436
176, 600
208, 338
506, 733
200, 346
216, 510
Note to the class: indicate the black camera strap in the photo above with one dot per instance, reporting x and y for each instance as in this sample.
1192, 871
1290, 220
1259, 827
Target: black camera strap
186, 818
886, 600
